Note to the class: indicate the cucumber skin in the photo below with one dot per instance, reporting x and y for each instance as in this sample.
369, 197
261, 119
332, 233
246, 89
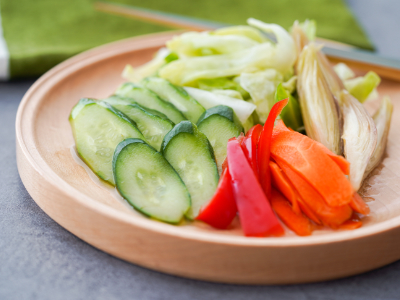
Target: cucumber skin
188, 127
75, 112
182, 92
119, 100
223, 111
120, 147
124, 88
88, 101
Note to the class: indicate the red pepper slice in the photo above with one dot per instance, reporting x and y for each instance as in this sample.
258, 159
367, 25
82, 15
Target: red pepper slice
264, 146
255, 212
249, 146
221, 210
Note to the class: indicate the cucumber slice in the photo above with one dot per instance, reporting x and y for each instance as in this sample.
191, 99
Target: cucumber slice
219, 124
191, 155
152, 127
148, 182
147, 98
98, 128
190, 108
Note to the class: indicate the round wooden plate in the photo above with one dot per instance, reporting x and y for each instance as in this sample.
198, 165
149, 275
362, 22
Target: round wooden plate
64, 190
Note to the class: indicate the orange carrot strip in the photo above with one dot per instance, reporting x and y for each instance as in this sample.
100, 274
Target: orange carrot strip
280, 126
354, 223
308, 212
311, 163
330, 216
282, 184
296, 222
342, 163
358, 205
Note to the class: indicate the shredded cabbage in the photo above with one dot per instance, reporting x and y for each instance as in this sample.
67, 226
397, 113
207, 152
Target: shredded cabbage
261, 87
148, 69
280, 56
242, 109
242, 30
203, 43
343, 71
363, 88
291, 114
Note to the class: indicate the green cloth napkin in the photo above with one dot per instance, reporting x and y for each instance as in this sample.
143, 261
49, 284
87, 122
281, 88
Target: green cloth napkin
41, 33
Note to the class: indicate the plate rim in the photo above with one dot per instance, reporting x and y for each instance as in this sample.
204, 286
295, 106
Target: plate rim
106, 52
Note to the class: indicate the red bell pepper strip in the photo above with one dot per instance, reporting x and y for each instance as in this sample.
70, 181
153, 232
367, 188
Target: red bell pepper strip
264, 146
249, 146
296, 222
221, 209
255, 212
358, 205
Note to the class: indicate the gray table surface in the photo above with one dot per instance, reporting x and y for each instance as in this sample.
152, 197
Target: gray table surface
41, 260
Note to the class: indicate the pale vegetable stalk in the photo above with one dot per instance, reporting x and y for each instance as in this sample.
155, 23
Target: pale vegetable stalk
382, 120
359, 137
319, 107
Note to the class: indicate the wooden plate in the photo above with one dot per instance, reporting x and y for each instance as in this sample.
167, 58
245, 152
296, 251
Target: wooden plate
64, 190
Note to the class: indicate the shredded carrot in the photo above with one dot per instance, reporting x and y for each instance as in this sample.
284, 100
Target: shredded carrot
282, 184
354, 223
308, 212
358, 205
307, 159
341, 162
330, 216
296, 222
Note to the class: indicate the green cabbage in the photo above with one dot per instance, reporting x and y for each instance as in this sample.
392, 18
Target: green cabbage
279, 56
291, 114
243, 109
150, 68
242, 30
343, 71
363, 87
204, 43
261, 86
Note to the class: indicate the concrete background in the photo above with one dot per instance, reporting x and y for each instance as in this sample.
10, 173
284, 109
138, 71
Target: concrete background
41, 260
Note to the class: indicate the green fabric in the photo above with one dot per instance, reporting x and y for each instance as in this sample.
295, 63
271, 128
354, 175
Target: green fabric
42, 33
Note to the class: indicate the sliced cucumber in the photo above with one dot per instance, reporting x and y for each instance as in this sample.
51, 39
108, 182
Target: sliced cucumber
191, 155
190, 108
152, 127
219, 124
98, 128
148, 182
147, 98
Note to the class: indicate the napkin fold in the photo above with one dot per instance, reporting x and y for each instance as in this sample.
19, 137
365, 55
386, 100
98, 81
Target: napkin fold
37, 35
